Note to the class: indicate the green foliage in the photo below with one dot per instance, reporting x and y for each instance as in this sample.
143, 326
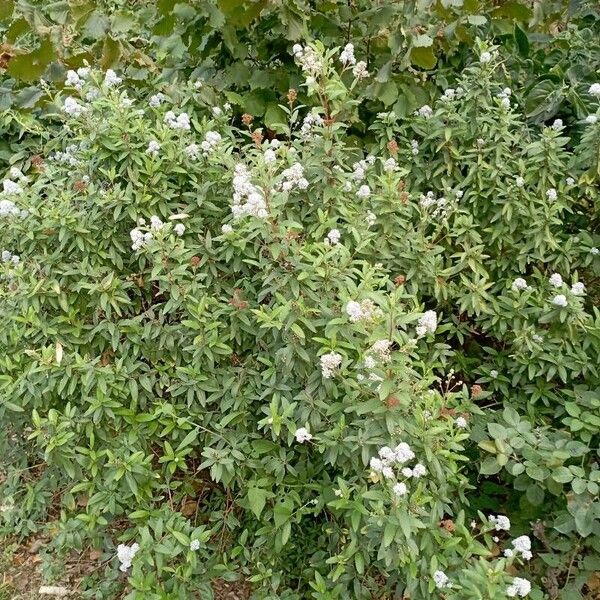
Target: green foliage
183, 375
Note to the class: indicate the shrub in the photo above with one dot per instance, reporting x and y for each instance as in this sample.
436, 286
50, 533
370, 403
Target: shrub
285, 360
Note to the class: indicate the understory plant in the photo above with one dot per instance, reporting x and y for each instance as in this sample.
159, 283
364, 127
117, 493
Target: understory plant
277, 358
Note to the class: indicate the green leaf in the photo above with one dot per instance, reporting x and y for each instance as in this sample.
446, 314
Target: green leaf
522, 41
423, 57
257, 498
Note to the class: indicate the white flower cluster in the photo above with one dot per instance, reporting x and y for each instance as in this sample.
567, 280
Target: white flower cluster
519, 587
139, 238
364, 191
578, 289
8, 208
522, 546
181, 121
366, 310
425, 111
76, 78
390, 165
195, 545
10, 257
293, 177
125, 555
501, 522
360, 70
560, 300
347, 55
381, 350
388, 459
519, 284
333, 237
307, 58
192, 151
371, 218
111, 79
461, 422
427, 323
153, 148
441, 580
303, 435
310, 121
156, 100
519, 181
595, 90
73, 108
68, 156
211, 141
414, 147
330, 362
247, 198
452, 94
504, 96
11, 188
551, 194
556, 280
441, 205
359, 169
486, 57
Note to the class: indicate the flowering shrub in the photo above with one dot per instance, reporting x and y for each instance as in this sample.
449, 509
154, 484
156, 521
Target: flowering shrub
328, 372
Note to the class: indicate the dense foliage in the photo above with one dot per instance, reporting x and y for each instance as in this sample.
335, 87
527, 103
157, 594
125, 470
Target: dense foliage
343, 345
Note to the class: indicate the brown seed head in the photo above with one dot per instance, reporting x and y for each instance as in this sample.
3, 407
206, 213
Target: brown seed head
247, 119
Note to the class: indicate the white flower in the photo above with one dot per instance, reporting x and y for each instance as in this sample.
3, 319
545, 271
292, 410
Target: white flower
364, 191
226, 229
192, 151
125, 555
519, 587
556, 280
248, 199
493, 373
365, 310
522, 545
519, 284
414, 144
591, 119
83, 72
501, 522
485, 57
73, 108
595, 251
400, 489
181, 121
347, 55
390, 165
73, 79
460, 422
407, 472
156, 100
211, 141
560, 300
595, 90
269, 156
371, 219
360, 70
153, 148
155, 223
338, 493
419, 470
441, 580
519, 181
179, 229
333, 237
216, 111
8, 208
557, 125
10, 188
425, 111
427, 323
330, 363
551, 194
508, 553
302, 435
570, 181
195, 545
403, 453
578, 289
111, 79
293, 177
198, 84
